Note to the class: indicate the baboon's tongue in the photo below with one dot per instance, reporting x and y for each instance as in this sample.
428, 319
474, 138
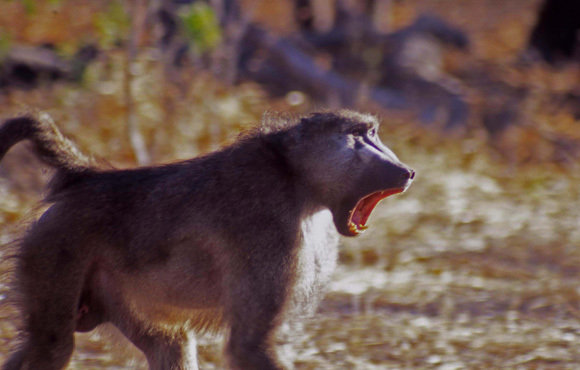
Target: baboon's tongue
365, 207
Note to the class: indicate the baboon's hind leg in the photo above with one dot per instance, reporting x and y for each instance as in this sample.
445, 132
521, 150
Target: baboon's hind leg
49, 278
164, 350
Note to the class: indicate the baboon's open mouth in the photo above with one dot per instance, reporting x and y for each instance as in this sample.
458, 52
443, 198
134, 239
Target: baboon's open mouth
363, 209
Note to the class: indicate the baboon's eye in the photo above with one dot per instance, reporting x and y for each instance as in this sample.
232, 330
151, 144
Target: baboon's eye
359, 132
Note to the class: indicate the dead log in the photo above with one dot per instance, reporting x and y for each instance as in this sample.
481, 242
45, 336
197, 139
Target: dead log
282, 67
555, 34
402, 78
28, 66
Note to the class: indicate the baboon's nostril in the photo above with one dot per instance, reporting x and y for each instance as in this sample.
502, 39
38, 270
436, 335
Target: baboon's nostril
409, 175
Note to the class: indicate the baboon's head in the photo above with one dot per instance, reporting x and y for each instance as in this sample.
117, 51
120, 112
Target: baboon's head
341, 159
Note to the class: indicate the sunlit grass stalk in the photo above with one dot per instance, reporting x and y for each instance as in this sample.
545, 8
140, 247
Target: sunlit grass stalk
136, 139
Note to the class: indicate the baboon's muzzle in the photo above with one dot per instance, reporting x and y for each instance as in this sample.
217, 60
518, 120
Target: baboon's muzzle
387, 179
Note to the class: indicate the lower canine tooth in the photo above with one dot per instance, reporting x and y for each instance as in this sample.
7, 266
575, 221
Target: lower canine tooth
352, 228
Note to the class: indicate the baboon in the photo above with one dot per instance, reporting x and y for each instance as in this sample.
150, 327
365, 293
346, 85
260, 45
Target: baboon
236, 239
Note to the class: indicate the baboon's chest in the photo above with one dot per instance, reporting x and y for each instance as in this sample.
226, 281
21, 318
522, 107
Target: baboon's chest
316, 259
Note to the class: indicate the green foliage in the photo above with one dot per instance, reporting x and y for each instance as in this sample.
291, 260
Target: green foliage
5, 43
201, 27
30, 6
113, 24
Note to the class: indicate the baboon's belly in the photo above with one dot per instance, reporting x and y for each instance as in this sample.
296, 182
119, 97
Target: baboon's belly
179, 292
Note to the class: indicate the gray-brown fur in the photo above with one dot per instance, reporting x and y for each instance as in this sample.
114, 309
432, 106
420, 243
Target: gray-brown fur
238, 238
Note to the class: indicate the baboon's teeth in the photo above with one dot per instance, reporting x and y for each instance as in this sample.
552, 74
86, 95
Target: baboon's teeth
352, 228
356, 229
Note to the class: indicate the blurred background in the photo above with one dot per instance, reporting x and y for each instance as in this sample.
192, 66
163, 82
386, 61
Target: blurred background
476, 266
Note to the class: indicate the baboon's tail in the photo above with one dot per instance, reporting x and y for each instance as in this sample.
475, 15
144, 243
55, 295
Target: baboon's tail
47, 142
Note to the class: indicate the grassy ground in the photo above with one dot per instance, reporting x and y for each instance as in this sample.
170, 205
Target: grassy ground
475, 267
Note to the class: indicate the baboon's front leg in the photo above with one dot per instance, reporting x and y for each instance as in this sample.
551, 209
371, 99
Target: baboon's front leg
255, 306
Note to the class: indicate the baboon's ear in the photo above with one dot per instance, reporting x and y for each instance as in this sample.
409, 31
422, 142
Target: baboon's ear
305, 128
279, 147
305, 124
279, 142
